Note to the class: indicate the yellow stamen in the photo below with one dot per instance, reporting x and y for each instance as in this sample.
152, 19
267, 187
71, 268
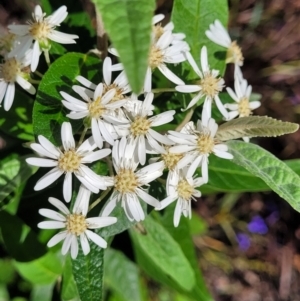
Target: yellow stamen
69, 161
185, 190
244, 108
140, 126
126, 181
76, 224
234, 54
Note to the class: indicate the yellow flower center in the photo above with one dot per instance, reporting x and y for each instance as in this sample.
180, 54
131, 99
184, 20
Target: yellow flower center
40, 30
76, 224
171, 159
96, 108
205, 144
6, 42
211, 85
9, 70
140, 126
119, 91
69, 161
155, 57
126, 181
158, 31
244, 108
234, 54
185, 190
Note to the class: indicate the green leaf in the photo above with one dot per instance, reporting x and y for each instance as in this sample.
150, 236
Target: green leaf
44, 270
42, 292
254, 126
193, 18
128, 24
17, 121
277, 175
48, 111
121, 275
158, 249
182, 236
20, 241
14, 171
81, 19
7, 271
88, 273
69, 290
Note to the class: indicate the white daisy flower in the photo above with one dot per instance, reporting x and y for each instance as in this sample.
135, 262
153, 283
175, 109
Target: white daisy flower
180, 187
198, 143
120, 84
75, 224
209, 85
219, 35
161, 52
243, 106
99, 107
67, 161
13, 70
128, 182
41, 30
144, 138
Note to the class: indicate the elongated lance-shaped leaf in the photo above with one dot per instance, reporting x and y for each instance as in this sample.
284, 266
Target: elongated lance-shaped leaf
88, 274
193, 18
277, 175
254, 126
128, 24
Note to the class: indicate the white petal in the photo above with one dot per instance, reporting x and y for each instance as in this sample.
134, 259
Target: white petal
62, 38
67, 243
254, 104
157, 18
100, 222
98, 240
203, 59
192, 62
98, 91
3, 86
85, 82
67, 137
97, 155
84, 244
109, 206
148, 80
48, 146
87, 146
35, 56
221, 107
147, 197
48, 179
177, 214
232, 94
51, 225
25, 84
59, 205
41, 162
193, 101
222, 154
166, 202
160, 138
9, 96
67, 187
170, 75
107, 70
57, 238
74, 247
188, 88
58, 16
96, 133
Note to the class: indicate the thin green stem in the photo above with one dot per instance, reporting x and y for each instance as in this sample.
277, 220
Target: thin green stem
186, 119
47, 58
38, 73
82, 136
163, 90
104, 194
34, 81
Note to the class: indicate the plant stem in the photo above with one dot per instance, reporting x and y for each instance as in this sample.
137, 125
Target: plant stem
82, 135
104, 194
163, 90
186, 119
38, 73
34, 81
47, 58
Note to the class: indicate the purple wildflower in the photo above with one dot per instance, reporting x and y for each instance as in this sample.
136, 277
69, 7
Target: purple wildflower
258, 225
243, 241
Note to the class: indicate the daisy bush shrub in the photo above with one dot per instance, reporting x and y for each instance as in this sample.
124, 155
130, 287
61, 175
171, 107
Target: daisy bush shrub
124, 126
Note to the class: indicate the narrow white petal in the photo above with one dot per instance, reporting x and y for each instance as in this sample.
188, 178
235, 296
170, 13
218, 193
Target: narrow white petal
57, 238
35, 56
41, 162
107, 70
165, 40
58, 16
177, 214
109, 206
3, 86
84, 244
9, 96
87, 146
221, 107
74, 247
188, 88
203, 59
25, 84
254, 104
193, 101
59, 205
108, 96
51, 225
100, 222
62, 38
96, 133
85, 82
67, 243
67, 137
232, 115
222, 154
98, 91
67, 187
160, 138
166, 202
232, 94
48, 179
147, 198
47, 145
204, 168
157, 18
170, 75
98, 240
148, 80
97, 155
162, 118
42, 151
105, 133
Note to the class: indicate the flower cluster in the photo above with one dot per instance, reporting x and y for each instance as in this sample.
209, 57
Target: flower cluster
124, 126
22, 47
